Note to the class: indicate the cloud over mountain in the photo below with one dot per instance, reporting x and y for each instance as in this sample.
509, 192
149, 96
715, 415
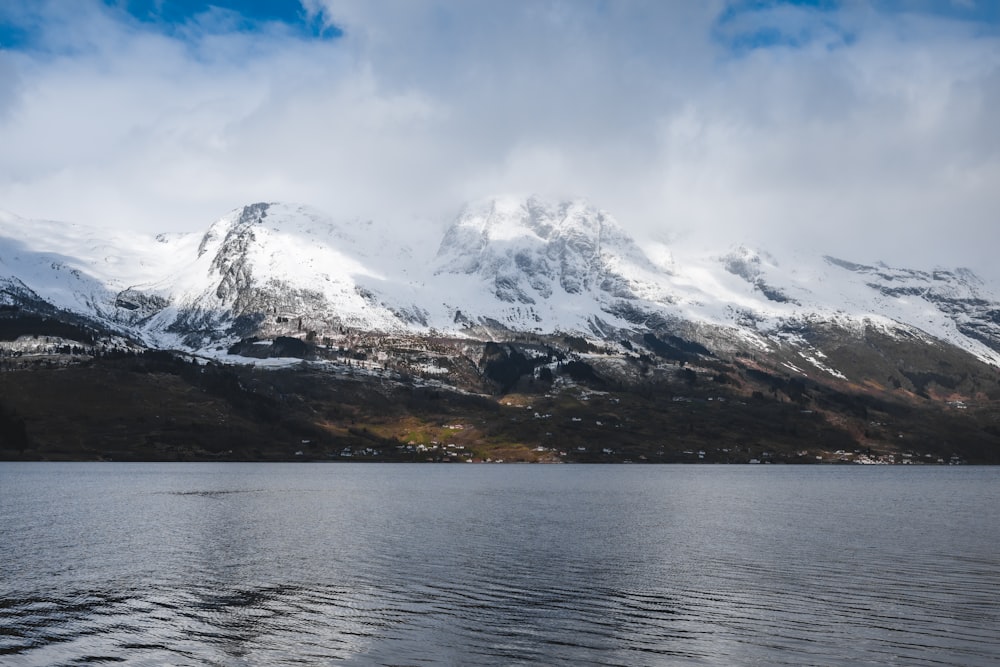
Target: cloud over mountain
857, 129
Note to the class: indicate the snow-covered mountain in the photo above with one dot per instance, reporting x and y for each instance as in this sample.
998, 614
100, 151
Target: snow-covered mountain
538, 266
265, 264
526, 266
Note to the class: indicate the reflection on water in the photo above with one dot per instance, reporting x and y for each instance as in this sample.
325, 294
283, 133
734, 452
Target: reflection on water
392, 564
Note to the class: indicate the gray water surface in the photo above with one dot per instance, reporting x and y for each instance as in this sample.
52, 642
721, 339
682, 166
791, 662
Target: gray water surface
385, 564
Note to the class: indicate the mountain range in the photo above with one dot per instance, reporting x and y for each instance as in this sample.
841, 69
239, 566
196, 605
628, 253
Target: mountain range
502, 265
275, 280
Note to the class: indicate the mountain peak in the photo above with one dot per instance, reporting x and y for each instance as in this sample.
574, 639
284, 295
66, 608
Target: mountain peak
253, 214
508, 217
564, 262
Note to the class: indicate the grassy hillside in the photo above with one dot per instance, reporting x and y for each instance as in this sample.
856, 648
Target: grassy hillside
532, 403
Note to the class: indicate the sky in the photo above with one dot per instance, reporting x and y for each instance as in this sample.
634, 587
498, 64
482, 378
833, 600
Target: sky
865, 129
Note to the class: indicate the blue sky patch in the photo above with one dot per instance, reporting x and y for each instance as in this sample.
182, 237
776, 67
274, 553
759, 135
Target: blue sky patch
749, 25
984, 12
226, 15
23, 25
12, 36
244, 15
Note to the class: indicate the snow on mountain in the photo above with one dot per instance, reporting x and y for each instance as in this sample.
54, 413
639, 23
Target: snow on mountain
539, 266
270, 263
77, 268
769, 300
522, 265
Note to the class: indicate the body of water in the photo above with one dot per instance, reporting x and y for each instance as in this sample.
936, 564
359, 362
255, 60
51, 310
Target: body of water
385, 564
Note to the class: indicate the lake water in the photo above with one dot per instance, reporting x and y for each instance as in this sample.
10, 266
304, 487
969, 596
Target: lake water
385, 564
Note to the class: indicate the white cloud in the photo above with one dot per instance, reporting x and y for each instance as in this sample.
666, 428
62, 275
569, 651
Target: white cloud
859, 133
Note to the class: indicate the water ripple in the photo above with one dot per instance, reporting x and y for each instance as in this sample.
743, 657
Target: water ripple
312, 565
